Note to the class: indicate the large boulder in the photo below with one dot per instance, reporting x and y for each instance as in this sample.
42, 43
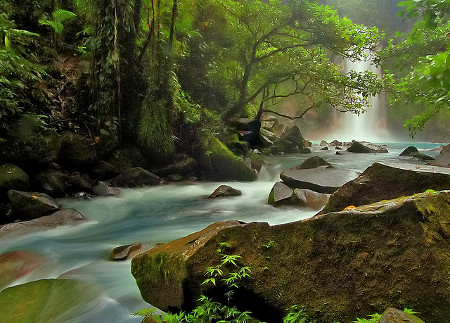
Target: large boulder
219, 163
136, 177
308, 198
61, 217
365, 147
312, 162
384, 181
337, 266
294, 136
32, 205
51, 182
12, 177
104, 171
187, 167
321, 179
77, 152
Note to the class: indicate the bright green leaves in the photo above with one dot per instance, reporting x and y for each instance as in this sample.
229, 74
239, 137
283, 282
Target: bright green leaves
58, 17
421, 61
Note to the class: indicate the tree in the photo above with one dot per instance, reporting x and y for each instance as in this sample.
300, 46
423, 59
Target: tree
275, 50
420, 61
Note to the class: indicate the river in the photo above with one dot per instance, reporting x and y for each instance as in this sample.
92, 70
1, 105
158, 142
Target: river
158, 214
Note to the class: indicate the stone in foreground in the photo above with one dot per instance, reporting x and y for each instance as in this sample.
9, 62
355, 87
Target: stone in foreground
320, 179
32, 205
338, 265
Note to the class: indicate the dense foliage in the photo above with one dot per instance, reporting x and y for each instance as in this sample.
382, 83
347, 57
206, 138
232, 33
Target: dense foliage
420, 61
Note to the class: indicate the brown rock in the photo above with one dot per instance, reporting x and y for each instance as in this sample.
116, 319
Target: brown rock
225, 191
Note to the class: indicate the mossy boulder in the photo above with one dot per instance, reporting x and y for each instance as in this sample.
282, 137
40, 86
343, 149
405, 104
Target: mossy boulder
51, 182
136, 177
338, 265
12, 177
383, 181
219, 163
77, 152
32, 205
48, 300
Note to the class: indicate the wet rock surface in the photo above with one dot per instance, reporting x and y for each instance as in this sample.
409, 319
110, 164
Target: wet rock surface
388, 180
32, 205
225, 191
338, 265
320, 179
365, 147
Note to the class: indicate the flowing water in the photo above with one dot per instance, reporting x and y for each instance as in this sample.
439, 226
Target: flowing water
152, 215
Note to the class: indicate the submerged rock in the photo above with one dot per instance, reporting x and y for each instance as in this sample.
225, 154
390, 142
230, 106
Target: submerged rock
225, 191
320, 179
365, 147
16, 264
421, 156
338, 265
383, 181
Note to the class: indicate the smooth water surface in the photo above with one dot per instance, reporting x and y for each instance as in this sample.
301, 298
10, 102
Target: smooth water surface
158, 214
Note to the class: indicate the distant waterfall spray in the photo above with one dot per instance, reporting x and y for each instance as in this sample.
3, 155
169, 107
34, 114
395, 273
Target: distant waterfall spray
371, 125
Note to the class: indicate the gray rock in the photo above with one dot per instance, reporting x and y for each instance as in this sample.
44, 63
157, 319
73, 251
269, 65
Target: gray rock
103, 189
421, 156
136, 177
32, 205
280, 195
58, 218
388, 180
444, 157
308, 198
409, 150
321, 179
304, 150
125, 252
365, 147
225, 191
312, 162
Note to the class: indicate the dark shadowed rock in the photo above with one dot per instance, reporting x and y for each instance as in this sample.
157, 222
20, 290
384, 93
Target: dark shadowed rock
58, 218
383, 181
421, 156
312, 162
136, 177
32, 205
225, 191
304, 150
338, 266
294, 136
125, 252
308, 198
104, 171
128, 157
409, 150
51, 182
393, 315
77, 152
280, 195
444, 157
324, 148
77, 182
365, 147
185, 168
12, 177
103, 189
321, 179
323, 143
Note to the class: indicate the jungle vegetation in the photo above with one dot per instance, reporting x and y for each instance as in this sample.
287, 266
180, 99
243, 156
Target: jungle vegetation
153, 72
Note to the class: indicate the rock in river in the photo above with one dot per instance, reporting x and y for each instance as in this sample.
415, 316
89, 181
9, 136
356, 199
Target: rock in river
383, 181
320, 179
338, 265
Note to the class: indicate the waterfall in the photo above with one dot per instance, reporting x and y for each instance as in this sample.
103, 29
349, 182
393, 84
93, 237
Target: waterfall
370, 125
